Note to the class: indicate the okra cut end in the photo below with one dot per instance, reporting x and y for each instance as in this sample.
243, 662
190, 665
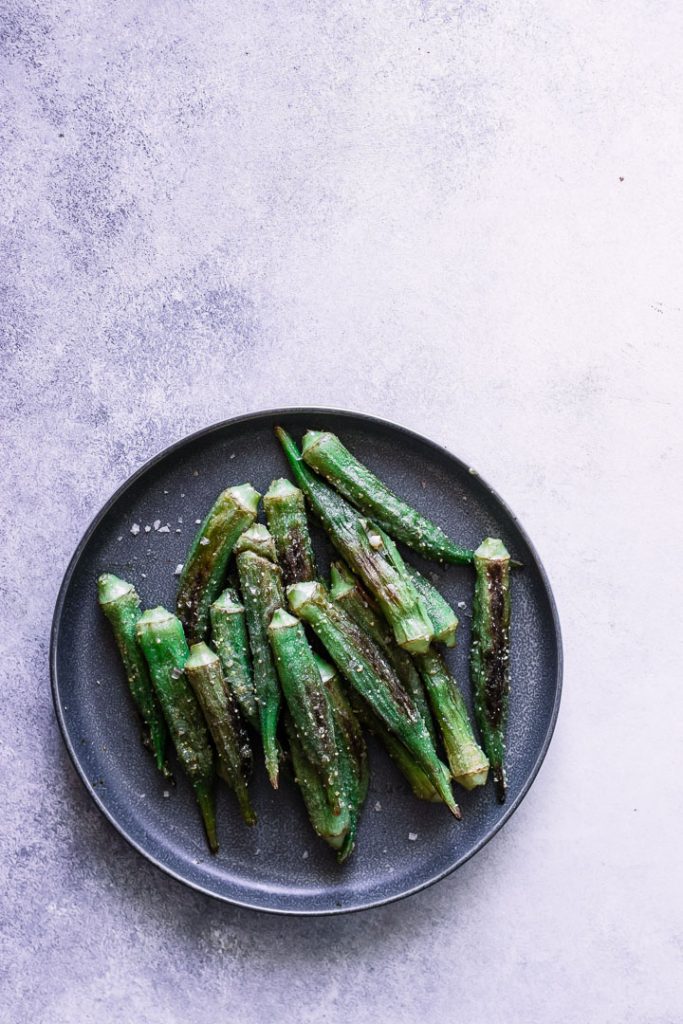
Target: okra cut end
246, 496
470, 780
155, 617
282, 620
200, 655
311, 438
281, 488
299, 594
229, 602
111, 588
415, 644
492, 549
341, 581
259, 540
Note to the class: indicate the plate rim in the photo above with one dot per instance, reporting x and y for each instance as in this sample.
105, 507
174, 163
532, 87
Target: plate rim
59, 609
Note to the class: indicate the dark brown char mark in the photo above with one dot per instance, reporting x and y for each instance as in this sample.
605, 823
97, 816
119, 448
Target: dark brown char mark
495, 654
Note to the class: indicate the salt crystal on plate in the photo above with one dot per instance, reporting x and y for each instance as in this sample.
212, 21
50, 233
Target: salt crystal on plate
178, 569
135, 529
157, 524
378, 806
412, 836
147, 529
164, 529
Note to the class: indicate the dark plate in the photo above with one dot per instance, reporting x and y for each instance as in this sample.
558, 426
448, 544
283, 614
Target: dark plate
280, 865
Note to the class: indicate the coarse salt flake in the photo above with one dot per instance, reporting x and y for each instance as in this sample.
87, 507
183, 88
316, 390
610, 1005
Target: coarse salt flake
412, 836
204, 541
157, 524
135, 529
178, 569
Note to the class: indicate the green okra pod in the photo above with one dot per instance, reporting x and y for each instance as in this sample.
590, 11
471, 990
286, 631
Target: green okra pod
261, 586
366, 668
202, 576
230, 641
121, 604
161, 637
326, 454
205, 675
363, 549
490, 653
306, 698
419, 783
286, 516
347, 591
354, 773
442, 616
333, 828
468, 763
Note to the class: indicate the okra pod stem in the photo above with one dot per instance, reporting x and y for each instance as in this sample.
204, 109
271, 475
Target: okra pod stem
286, 516
366, 668
362, 547
161, 637
204, 673
306, 699
347, 591
468, 763
262, 593
326, 454
121, 604
202, 576
490, 653
230, 641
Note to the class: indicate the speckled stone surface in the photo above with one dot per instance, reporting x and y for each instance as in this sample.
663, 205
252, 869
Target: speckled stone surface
463, 216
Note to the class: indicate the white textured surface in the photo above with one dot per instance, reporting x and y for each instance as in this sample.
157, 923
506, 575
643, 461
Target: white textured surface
414, 209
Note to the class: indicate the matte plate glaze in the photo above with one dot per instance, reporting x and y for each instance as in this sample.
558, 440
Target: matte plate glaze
280, 865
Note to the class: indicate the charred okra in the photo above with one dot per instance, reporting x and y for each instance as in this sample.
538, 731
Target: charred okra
443, 618
363, 548
333, 828
229, 638
490, 653
366, 668
262, 593
419, 783
286, 516
326, 454
306, 698
121, 604
354, 774
347, 591
161, 637
202, 576
204, 673
468, 763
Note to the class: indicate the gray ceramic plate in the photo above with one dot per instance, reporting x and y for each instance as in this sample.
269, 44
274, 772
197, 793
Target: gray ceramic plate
280, 865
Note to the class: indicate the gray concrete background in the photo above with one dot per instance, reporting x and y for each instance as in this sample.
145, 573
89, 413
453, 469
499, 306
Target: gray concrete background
463, 216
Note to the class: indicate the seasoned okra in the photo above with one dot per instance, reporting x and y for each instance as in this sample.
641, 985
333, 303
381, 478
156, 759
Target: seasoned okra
490, 653
230, 641
468, 763
161, 637
286, 516
325, 453
121, 604
366, 668
203, 573
362, 547
204, 673
262, 593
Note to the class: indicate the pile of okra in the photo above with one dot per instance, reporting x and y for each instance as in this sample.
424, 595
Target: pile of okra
260, 646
